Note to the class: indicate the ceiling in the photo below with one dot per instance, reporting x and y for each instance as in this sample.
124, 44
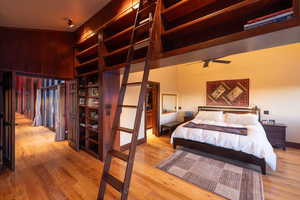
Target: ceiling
47, 14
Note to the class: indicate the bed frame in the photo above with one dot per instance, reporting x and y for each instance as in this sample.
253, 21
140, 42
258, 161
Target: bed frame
220, 151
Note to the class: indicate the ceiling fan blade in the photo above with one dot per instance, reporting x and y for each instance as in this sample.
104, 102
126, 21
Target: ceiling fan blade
222, 61
206, 63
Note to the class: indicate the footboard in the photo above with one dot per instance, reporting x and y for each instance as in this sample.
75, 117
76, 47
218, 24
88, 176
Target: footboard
220, 151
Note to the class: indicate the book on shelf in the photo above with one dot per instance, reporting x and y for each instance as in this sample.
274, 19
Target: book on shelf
278, 18
270, 15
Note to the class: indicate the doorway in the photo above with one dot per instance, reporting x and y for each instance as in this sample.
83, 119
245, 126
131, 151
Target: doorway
7, 120
39, 103
152, 115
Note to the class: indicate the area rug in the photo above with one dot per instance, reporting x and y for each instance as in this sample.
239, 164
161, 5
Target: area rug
227, 180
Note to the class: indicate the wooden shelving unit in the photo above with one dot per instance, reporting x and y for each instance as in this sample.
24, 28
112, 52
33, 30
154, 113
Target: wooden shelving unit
116, 35
95, 57
174, 10
185, 25
96, 89
187, 22
88, 115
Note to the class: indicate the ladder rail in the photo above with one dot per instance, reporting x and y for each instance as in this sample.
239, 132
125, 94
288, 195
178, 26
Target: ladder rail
116, 121
139, 113
124, 188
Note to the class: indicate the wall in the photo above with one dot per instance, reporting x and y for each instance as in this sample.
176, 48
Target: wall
167, 77
44, 53
274, 83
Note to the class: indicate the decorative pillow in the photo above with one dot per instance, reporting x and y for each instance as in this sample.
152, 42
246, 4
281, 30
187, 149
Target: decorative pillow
216, 116
243, 119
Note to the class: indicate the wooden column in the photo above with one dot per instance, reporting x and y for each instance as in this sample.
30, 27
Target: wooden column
296, 5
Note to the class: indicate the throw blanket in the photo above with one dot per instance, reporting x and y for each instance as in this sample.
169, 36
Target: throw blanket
225, 129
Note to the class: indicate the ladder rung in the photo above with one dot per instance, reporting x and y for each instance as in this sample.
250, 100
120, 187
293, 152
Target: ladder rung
127, 106
142, 44
120, 155
133, 84
127, 130
147, 23
115, 183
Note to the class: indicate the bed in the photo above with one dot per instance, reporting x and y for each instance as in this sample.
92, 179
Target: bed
253, 148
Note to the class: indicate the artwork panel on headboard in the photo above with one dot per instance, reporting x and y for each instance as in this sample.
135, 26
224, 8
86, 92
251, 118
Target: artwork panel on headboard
228, 93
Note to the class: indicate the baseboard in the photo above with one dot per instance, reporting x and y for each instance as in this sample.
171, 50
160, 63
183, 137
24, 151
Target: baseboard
126, 146
293, 145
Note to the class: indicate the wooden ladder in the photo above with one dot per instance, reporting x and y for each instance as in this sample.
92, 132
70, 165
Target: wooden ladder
123, 187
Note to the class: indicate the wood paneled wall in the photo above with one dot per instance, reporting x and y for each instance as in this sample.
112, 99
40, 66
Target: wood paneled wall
44, 53
112, 9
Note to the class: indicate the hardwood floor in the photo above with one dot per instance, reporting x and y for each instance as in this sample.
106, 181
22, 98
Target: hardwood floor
52, 170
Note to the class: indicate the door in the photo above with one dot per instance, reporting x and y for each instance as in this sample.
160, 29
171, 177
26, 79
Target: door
7, 122
73, 134
152, 107
155, 109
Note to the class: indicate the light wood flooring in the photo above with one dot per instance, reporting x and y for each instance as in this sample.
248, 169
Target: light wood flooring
52, 170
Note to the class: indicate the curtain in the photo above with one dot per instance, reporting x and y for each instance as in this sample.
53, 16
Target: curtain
45, 103
38, 116
60, 113
51, 109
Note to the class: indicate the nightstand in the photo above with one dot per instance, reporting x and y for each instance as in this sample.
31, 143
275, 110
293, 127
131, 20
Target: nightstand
188, 118
276, 134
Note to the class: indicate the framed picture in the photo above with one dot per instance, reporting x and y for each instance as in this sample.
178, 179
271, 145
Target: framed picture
228, 93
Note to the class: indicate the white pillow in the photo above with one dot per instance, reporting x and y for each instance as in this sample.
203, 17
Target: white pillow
216, 116
243, 119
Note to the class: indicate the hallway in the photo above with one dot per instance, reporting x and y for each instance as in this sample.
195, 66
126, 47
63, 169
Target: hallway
52, 170
46, 169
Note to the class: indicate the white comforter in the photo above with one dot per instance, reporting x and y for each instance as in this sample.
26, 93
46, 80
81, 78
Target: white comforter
255, 143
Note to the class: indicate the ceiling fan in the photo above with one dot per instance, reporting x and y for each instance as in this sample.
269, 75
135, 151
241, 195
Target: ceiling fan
216, 60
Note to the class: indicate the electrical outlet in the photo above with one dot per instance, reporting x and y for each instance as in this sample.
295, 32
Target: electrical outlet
266, 112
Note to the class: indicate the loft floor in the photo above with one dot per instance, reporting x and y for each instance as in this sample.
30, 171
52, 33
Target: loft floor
52, 170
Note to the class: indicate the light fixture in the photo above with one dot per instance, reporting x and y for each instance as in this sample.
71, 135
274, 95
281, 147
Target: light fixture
215, 60
135, 6
70, 23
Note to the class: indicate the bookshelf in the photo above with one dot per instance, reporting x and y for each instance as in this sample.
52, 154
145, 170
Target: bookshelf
190, 21
88, 114
96, 58
117, 34
187, 25
94, 93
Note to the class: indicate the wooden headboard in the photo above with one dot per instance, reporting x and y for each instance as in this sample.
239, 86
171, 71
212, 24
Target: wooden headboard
227, 109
